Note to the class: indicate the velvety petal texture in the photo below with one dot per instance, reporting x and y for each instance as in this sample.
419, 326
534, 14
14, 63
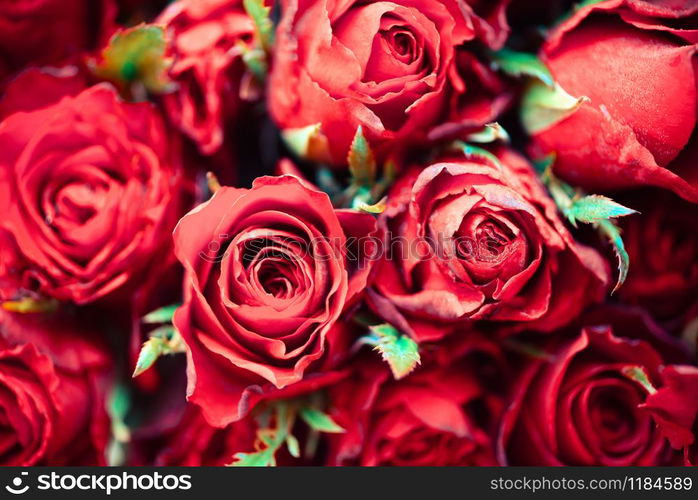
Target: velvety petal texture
398, 69
473, 240
267, 276
89, 188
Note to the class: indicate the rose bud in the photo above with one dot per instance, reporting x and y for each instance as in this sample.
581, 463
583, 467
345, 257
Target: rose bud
52, 392
584, 400
207, 39
637, 65
267, 275
89, 188
50, 32
443, 414
470, 240
398, 69
662, 244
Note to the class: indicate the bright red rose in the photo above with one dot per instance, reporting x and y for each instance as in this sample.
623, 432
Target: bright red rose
583, 400
48, 32
440, 415
205, 42
662, 243
52, 393
268, 273
467, 241
638, 67
398, 69
88, 188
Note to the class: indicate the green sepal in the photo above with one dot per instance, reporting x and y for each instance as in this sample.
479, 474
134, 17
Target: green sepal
398, 350
593, 208
162, 315
475, 152
320, 421
491, 132
639, 375
518, 64
611, 231
263, 27
118, 404
361, 161
163, 340
543, 106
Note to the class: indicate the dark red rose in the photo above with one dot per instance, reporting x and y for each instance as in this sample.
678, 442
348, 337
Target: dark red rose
49, 32
440, 415
398, 69
194, 442
662, 243
267, 276
89, 188
470, 241
675, 409
584, 400
637, 64
205, 42
52, 393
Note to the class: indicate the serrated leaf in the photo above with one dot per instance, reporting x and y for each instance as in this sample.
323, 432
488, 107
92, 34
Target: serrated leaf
151, 350
263, 27
491, 132
399, 351
543, 106
136, 55
319, 421
611, 231
263, 458
594, 208
28, 305
162, 315
361, 161
639, 375
519, 64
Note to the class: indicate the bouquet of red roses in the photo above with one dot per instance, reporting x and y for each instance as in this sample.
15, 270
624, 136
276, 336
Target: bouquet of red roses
348, 232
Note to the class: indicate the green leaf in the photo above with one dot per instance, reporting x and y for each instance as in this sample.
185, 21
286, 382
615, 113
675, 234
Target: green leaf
263, 27
491, 132
135, 55
639, 375
594, 208
293, 446
256, 61
319, 421
27, 305
150, 352
470, 151
362, 163
399, 351
118, 405
543, 106
519, 64
162, 315
611, 231
263, 458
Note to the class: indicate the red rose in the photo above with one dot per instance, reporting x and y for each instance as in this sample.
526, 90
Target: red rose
440, 415
638, 67
52, 393
662, 244
205, 38
398, 69
470, 241
583, 400
267, 276
675, 409
47, 32
194, 442
88, 189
